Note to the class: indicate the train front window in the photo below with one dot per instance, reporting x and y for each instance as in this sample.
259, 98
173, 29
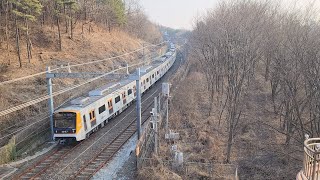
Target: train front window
65, 120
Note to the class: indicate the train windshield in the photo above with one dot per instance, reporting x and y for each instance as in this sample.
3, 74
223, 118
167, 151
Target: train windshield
65, 120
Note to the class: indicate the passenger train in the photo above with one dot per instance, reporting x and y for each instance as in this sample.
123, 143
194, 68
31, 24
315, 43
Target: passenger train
84, 115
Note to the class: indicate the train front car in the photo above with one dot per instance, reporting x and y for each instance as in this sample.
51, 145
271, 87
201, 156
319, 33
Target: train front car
67, 125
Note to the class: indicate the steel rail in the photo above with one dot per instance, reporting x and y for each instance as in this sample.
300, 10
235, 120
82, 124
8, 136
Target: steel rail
43, 165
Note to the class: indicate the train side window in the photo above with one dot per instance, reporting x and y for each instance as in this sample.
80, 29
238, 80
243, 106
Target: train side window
147, 79
129, 91
144, 81
102, 109
85, 122
117, 99
123, 95
152, 75
157, 72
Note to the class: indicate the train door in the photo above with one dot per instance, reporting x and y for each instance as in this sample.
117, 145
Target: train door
129, 93
93, 119
117, 104
85, 122
110, 106
124, 99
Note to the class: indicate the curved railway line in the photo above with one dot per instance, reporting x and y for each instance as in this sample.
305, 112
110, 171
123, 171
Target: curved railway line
101, 155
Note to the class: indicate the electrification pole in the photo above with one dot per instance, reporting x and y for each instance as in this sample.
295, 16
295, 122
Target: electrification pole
50, 101
155, 119
166, 93
138, 104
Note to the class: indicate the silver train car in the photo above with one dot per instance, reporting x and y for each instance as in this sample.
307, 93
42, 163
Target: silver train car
84, 115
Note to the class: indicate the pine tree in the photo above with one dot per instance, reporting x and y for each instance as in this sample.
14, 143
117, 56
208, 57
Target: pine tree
118, 8
25, 11
58, 4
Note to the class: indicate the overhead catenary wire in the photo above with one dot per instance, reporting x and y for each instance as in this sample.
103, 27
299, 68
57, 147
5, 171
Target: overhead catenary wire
76, 65
32, 119
23, 128
21, 122
46, 117
35, 101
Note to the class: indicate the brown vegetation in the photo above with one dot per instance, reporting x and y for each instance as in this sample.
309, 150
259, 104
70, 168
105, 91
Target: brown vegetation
251, 93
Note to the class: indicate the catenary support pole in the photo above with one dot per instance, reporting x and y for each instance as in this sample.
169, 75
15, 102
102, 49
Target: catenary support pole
138, 104
167, 114
155, 126
50, 102
159, 105
127, 69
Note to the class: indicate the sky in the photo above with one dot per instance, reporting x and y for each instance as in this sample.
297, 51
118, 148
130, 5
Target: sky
178, 14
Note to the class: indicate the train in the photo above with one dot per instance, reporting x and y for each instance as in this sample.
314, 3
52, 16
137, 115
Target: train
82, 116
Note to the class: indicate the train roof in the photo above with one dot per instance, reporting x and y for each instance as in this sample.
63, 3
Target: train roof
110, 88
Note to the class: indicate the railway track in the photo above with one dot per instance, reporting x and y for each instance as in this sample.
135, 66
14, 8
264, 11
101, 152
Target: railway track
45, 163
105, 155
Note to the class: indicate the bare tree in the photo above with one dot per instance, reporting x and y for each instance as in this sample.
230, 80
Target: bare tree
228, 42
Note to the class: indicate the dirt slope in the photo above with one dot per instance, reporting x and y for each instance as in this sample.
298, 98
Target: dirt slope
86, 46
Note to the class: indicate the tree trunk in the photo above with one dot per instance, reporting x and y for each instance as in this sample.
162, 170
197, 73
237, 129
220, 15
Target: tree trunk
59, 34
7, 29
71, 23
28, 42
66, 19
229, 145
18, 42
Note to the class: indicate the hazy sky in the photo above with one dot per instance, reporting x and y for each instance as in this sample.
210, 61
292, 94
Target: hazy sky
180, 13
176, 13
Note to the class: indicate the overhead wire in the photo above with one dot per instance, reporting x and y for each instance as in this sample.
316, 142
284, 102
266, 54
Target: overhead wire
76, 65
35, 101
47, 97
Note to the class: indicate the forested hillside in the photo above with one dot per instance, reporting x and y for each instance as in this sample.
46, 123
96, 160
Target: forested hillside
29, 28
35, 34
